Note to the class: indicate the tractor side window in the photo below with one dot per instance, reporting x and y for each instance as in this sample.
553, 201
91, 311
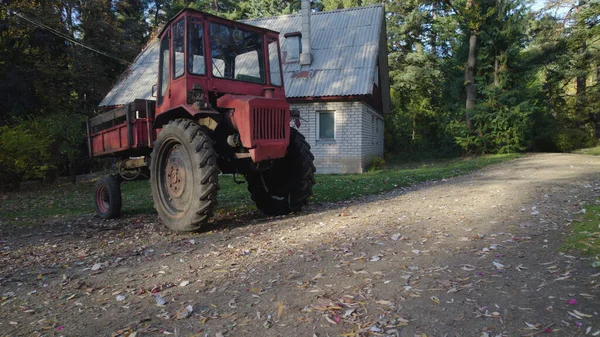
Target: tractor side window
274, 64
237, 54
178, 35
163, 74
196, 63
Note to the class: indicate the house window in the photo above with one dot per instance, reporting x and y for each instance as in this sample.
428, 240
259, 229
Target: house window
326, 125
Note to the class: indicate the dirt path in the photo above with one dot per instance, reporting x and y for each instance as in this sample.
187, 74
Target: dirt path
471, 256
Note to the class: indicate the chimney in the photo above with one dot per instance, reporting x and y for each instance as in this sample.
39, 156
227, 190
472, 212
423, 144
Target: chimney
305, 57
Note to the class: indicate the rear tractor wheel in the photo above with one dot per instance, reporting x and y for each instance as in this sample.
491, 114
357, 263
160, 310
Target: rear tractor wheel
108, 197
287, 185
184, 175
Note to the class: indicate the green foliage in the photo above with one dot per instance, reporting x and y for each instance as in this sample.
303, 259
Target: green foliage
592, 151
536, 77
24, 153
377, 164
536, 74
567, 140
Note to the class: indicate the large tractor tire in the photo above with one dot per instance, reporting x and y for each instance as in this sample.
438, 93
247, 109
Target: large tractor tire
108, 197
287, 185
184, 175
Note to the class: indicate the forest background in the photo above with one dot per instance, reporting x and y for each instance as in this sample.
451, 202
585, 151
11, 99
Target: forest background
467, 76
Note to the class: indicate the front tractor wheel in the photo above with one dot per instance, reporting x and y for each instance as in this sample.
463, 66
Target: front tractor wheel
184, 175
287, 185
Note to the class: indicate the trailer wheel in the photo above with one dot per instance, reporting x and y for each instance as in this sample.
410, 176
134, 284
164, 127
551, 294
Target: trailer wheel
108, 197
286, 187
184, 175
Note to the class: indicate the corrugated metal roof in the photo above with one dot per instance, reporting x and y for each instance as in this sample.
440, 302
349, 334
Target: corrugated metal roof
345, 48
137, 81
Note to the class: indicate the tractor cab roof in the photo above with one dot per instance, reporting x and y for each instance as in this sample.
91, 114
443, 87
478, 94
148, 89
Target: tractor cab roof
214, 18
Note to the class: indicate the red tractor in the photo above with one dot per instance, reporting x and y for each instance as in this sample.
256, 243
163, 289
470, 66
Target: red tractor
220, 108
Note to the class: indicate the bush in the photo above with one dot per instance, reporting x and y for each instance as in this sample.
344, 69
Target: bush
25, 150
377, 164
571, 139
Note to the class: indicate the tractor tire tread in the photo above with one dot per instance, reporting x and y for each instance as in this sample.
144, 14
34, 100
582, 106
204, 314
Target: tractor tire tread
302, 169
203, 158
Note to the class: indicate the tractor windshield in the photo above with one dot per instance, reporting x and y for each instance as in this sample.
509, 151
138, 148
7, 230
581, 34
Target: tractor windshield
237, 54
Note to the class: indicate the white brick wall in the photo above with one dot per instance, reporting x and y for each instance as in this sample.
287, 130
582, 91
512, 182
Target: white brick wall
357, 139
372, 128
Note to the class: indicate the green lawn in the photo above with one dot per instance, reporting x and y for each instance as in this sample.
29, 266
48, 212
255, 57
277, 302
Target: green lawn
585, 236
594, 151
35, 202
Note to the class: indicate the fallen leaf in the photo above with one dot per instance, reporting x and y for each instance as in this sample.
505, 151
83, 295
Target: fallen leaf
329, 319
581, 314
498, 265
182, 313
467, 267
280, 308
160, 301
383, 302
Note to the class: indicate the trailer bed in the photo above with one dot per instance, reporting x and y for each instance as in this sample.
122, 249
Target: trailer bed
124, 131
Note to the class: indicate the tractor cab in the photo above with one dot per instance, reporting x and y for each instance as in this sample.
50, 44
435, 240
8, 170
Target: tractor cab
213, 70
205, 57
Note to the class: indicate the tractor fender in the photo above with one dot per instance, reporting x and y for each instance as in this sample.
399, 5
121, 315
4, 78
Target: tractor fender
181, 111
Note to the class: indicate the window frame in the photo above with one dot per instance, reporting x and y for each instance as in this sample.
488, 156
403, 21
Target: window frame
160, 95
262, 60
318, 124
199, 21
174, 62
269, 41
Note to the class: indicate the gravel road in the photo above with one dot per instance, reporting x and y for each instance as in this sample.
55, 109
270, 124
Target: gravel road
476, 255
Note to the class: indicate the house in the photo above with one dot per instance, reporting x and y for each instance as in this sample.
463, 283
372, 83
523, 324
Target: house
335, 74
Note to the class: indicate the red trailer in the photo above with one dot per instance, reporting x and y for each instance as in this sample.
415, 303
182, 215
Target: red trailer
124, 131
220, 108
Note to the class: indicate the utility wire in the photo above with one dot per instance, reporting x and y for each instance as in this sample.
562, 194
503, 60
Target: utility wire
66, 37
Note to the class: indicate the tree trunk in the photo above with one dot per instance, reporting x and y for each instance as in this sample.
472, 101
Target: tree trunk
580, 82
470, 89
496, 81
433, 30
156, 15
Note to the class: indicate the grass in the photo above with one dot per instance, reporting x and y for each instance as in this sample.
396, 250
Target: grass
585, 237
34, 202
593, 151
